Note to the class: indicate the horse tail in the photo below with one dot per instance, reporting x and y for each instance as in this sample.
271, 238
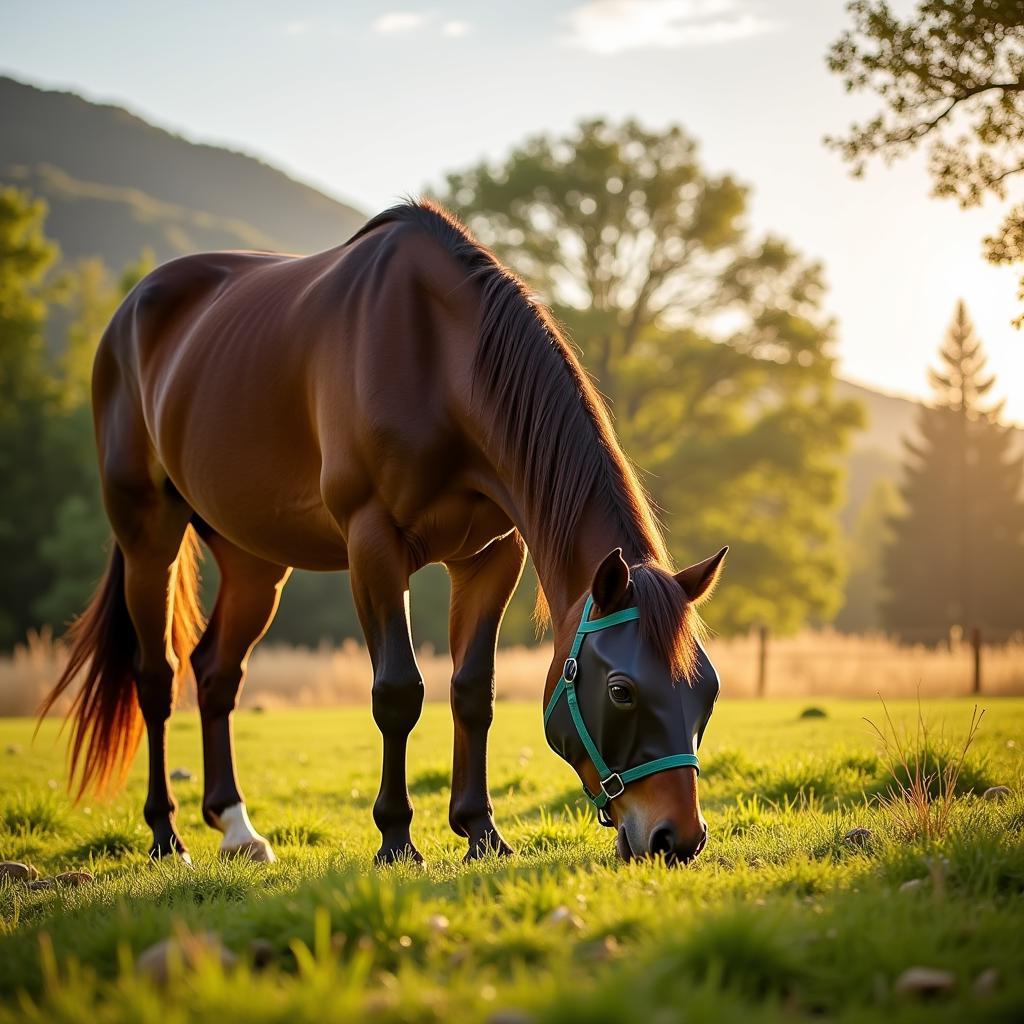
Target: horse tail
107, 722
186, 620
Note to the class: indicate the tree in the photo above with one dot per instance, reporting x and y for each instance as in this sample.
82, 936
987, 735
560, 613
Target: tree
29, 485
952, 73
956, 557
710, 346
52, 526
866, 548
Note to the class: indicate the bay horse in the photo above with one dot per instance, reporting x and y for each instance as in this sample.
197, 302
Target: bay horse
395, 401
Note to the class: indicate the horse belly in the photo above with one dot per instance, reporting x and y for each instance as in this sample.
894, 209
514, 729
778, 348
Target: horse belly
248, 464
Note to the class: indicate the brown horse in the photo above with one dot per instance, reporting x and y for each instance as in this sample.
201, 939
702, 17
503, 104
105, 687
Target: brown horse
396, 401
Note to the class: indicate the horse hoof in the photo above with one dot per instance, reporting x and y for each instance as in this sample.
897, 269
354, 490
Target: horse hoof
404, 854
489, 845
256, 850
171, 848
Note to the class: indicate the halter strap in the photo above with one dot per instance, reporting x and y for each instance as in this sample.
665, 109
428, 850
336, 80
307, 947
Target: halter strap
613, 784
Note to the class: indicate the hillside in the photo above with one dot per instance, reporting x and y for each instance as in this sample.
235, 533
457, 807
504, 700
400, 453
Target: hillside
116, 184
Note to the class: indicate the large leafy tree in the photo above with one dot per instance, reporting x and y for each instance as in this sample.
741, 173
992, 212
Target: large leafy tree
710, 345
950, 74
956, 556
52, 527
31, 482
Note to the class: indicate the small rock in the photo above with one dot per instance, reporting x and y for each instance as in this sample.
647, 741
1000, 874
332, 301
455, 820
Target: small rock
438, 923
924, 982
262, 953
606, 949
987, 982
913, 885
181, 775
564, 917
186, 951
17, 872
74, 878
12, 748
813, 712
996, 793
858, 836
511, 1016
42, 883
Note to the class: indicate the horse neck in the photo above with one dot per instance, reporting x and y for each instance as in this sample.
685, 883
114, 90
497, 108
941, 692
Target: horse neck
567, 580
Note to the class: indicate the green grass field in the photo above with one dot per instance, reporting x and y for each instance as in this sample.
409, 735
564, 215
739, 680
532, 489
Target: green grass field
779, 917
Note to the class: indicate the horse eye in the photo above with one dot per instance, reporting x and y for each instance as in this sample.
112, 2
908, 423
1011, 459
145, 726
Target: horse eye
621, 693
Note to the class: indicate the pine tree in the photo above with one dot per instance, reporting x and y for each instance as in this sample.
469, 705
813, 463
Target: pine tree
956, 557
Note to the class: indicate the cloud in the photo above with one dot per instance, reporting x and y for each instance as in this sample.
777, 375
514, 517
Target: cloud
611, 26
297, 28
455, 29
398, 21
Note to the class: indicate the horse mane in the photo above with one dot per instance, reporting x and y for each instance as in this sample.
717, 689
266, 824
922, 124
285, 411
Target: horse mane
556, 433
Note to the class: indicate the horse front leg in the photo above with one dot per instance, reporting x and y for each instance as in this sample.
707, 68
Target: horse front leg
379, 567
481, 589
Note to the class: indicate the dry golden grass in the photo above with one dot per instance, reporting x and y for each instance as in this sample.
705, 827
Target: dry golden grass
810, 664
925, 770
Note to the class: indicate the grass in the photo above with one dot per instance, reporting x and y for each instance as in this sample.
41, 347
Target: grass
780, 918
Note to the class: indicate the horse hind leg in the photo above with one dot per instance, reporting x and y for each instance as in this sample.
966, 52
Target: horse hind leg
150, 524
250, 589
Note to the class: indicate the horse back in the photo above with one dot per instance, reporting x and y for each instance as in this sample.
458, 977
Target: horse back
280, 393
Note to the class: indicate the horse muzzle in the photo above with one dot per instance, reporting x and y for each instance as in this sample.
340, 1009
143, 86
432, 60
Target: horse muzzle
675, 845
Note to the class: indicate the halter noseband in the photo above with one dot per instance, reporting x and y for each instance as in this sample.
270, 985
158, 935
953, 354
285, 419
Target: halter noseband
613, 784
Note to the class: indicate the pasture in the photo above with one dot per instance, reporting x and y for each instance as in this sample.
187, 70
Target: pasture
780, 917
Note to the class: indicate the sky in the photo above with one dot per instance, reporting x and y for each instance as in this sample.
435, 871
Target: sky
374, 101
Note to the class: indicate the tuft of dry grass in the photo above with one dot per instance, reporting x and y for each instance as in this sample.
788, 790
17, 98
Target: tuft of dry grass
925, 770
810, 664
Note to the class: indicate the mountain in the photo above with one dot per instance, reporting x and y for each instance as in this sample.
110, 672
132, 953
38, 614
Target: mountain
116, 185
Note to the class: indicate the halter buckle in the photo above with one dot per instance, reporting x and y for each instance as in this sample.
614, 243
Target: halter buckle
569, 670
613, 786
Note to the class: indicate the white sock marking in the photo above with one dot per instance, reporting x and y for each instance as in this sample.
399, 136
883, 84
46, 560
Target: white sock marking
238, 830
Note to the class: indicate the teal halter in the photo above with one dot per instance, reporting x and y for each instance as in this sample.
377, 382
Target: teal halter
613, 784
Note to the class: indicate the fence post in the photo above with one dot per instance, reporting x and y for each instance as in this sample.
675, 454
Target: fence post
976, 648
762, 660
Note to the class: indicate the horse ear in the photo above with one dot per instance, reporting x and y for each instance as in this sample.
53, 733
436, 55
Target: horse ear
611, 581
700, 579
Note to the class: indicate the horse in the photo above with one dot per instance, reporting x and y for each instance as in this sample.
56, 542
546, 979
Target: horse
399, 400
